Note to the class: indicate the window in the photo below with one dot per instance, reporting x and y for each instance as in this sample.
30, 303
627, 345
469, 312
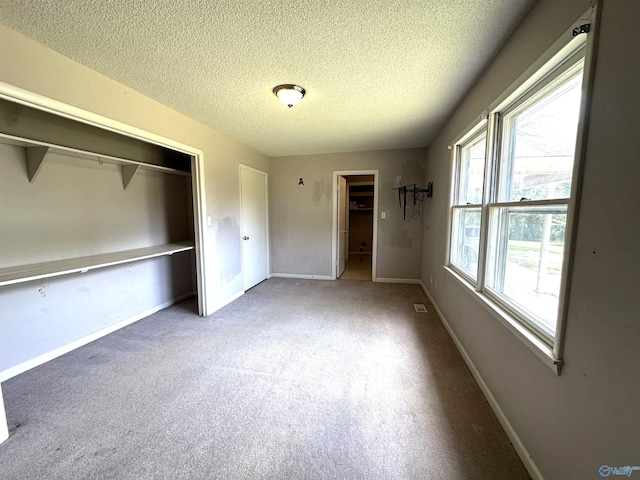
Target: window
527, 223
470, 160
513, 181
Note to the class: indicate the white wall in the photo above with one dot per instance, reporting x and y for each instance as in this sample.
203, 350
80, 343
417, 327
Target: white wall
300, 216
590, 415
30, 66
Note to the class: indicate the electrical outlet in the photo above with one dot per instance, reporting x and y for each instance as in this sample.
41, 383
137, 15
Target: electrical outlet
209, 222
383, 215
399, 180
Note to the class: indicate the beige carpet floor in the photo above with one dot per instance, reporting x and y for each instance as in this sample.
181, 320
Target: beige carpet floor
297, 379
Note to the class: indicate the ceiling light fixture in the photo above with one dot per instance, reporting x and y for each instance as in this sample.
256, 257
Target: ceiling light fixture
289, 94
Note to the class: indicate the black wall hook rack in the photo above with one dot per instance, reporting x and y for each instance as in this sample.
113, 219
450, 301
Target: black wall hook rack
414, 191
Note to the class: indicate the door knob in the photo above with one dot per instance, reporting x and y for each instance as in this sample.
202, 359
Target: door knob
245, 238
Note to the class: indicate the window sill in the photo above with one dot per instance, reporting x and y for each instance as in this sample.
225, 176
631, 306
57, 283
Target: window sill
533, 343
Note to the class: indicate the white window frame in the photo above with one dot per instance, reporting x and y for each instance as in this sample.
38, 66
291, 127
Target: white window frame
544, 71
473, 133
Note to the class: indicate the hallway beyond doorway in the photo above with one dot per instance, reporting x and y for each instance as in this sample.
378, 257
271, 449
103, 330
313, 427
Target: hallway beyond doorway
358, 267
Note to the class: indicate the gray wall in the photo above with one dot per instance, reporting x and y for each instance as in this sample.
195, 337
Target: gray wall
300, 216
76, 208
590, 415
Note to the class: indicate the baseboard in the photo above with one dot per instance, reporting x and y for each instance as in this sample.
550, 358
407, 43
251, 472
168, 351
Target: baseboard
45, 357
413, 281
521, 450
302, 277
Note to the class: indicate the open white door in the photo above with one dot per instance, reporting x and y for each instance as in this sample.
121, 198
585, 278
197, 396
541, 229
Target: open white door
342, 225
255, 230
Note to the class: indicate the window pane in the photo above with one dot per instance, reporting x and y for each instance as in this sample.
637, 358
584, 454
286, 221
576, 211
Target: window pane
526, 249
465, 240
539, 142
472, 171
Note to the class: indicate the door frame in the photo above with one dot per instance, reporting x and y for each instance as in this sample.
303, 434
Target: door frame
40, 102
335, 231
343, 211
266, 204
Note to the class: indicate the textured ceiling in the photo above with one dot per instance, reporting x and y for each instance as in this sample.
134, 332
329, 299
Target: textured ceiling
379, 74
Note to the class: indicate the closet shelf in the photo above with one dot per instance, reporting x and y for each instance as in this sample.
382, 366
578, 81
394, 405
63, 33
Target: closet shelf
27, 273
37, 152
361, 194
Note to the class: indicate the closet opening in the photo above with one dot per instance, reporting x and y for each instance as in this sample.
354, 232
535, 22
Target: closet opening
101, 225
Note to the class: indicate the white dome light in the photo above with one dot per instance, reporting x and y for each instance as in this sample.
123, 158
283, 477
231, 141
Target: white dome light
289, 94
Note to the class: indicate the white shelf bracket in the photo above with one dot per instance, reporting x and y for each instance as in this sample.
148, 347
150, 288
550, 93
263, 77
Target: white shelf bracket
35, 157
128, 171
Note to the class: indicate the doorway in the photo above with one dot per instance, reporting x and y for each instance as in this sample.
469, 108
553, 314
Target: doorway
355, 207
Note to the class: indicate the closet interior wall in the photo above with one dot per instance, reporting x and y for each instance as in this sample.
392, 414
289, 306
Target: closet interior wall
79, 208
